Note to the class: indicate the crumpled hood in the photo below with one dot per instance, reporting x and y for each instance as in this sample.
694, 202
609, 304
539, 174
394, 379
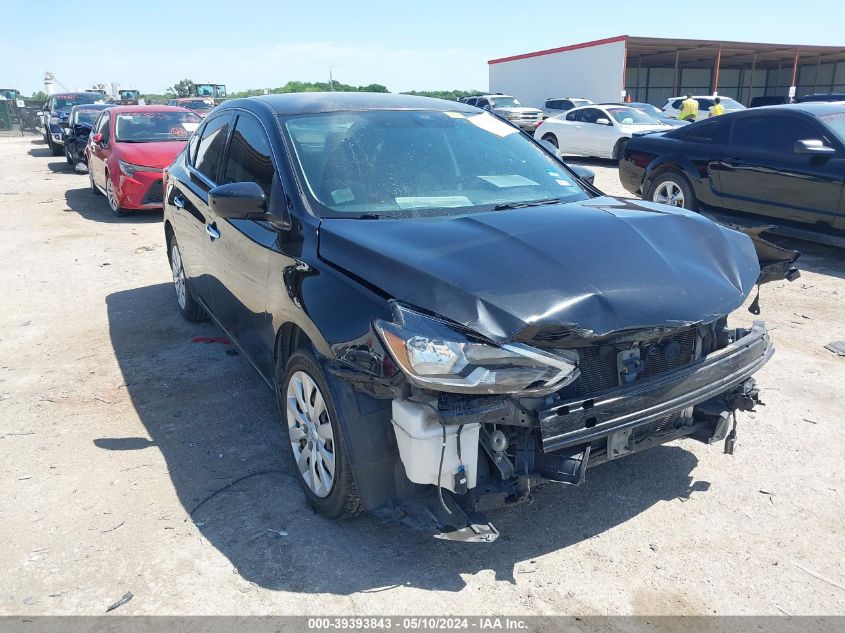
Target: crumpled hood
600, 265
156, 154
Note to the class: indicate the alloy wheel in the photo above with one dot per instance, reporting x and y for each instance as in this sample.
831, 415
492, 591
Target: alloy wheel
178, 276
111, 195
670, 193
311, 434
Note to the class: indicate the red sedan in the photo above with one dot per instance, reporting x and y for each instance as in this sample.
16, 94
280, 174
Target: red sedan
128, 149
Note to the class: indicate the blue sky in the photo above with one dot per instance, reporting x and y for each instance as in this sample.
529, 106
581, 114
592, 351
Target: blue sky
431, 44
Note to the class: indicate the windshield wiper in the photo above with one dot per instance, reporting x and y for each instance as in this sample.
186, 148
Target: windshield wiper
376, 216
503, 206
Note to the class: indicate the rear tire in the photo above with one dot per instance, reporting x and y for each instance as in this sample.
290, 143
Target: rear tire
673, 188
310, 417
94, 188
189, 307
551, 138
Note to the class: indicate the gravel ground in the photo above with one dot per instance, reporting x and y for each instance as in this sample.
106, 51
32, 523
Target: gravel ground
115, 426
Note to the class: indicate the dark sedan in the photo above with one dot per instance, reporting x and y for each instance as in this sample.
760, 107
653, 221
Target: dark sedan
75, 136
447, 315
783, 162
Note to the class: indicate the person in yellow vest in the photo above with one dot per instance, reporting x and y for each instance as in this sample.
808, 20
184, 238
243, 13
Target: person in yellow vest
717, 108
689, 109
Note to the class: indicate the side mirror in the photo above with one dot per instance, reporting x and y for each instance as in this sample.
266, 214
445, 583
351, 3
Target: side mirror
813, 146
584, 173
97, 138
237, 200
603, 121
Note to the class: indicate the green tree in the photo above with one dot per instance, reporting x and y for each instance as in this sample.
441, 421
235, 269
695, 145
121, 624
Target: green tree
181, 88
39, 95
452, 95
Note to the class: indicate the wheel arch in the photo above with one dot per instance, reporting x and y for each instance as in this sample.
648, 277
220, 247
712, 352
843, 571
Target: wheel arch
663, 165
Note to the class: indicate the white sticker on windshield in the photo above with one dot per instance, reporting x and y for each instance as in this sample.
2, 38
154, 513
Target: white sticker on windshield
454, 115
189, 126
554, 174
493, 124
414, 202
343, 195
509, 180
564, 183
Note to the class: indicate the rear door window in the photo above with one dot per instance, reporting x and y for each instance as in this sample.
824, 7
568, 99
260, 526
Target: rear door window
714, 131
211, 145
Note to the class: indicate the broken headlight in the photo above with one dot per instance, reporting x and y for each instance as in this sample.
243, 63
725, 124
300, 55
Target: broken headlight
436, 355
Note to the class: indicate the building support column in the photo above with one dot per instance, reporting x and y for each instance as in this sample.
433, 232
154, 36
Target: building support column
676, 83
795, 72
751, 79
716, 70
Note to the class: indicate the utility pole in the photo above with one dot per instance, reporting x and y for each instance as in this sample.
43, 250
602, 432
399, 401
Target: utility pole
331, 81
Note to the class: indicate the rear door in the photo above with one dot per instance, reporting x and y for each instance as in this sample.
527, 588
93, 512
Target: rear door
238, 251
190, 198
761, 173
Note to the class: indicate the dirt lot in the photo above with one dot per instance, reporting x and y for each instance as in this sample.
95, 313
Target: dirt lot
114, 425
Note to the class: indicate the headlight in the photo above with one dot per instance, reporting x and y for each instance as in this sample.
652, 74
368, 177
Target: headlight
129, 169
436, 355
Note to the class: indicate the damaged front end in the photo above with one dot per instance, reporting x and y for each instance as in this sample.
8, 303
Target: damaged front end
597, 400
568, 351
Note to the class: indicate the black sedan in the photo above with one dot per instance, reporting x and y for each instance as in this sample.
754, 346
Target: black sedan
446, 313
782, 162
80, 122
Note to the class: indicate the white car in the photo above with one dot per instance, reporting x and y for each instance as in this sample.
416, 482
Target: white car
600, 131
562, 105
673, 106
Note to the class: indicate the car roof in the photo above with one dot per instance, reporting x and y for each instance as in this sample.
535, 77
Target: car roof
67, 94
92, 106
146, 108
315, 102
815, 108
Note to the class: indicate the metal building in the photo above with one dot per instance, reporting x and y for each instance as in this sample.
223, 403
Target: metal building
654, 69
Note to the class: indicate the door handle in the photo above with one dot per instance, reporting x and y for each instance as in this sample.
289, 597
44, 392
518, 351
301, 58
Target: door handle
179, 202
212, 231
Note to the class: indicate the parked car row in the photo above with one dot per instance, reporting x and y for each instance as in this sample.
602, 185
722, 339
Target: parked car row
783, 162
447, 314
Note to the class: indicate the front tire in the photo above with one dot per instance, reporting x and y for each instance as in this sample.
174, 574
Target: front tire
315, 437
674, 189
68, 157
190, 309
57, 149
619, 150
111, 195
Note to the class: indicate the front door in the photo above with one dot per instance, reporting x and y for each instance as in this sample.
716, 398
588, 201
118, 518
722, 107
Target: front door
761, 173
238, 251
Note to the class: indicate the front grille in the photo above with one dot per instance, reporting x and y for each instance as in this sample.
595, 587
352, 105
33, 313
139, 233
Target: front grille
155, 194
598, 363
